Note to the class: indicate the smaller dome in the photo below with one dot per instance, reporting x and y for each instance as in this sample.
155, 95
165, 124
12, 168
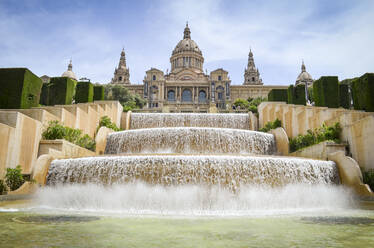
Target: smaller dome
304, 76
69, 73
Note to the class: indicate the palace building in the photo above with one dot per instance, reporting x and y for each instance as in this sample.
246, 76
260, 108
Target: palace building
186, 88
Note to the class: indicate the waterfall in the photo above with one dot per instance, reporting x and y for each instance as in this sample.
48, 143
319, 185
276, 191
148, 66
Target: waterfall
190, 140
228, 171
154, 120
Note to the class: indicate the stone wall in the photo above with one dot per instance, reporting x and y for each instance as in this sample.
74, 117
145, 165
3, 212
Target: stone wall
319, 151
21, 130
357, 126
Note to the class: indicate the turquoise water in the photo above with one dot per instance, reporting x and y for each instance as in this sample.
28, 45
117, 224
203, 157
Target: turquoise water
30, 226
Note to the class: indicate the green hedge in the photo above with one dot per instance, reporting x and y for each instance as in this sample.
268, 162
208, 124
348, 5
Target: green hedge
296, 94
326, 92
98, 93
344, 99
278, 95
44, 95
19, 88
84, 92
363, 92
61, 91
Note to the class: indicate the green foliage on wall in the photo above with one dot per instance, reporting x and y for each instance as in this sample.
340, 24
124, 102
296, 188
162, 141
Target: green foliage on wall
363, 92
344, 98
316, 136
106, 122
61, 91
3, 187
368, 178
19, 88
98, 93
57, 131
84, 92
271, 125
326, 92
296, 94
278, 95
14, 178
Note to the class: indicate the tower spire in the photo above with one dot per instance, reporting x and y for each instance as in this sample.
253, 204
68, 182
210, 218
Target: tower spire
303, 66
187, 32
70, 66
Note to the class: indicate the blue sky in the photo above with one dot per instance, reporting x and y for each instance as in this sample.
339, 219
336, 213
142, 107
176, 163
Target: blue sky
333, 37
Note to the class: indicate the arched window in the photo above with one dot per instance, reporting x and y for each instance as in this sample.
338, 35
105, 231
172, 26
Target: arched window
120, 78
219, 78
253, 79
220, 91
153, 91
202, 96
154, 77
171, 95
186, 96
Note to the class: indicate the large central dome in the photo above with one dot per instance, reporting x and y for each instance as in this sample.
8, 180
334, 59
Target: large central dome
187, 45
186, 54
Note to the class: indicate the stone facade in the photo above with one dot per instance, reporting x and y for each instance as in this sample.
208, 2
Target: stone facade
187, 88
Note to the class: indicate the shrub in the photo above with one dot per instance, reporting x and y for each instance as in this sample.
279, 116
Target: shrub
14, 178
98, 93
44, 95
344, 99
61, 91
316, 136
278, 95
84, 92
20, 88
271, 125
3, 188
310, 94
296, 94
368, 178
120, 93
363, 92
241, 103
75, 136
326, 92
106, 122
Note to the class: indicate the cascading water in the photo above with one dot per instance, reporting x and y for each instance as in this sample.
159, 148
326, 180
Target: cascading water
190, 140
154, 120
191, 169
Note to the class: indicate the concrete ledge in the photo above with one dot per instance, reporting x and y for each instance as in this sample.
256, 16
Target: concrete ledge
320, 150
41, 169
350, 174
128, 120
101, 138
281, 141
67, 149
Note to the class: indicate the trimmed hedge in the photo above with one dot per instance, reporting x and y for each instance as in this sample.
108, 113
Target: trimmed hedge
296, 94
326, 92
61, 91
344, 99
363, 92
84, 92
98, 93
19, 88
278, 95
44, 95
